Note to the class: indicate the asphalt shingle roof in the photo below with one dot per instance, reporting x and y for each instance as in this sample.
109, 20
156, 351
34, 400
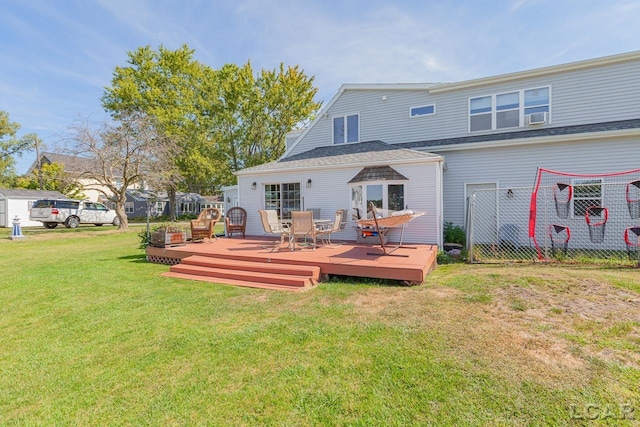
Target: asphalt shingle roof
532, 133
22, 193
378, 173
72, 164
344, 154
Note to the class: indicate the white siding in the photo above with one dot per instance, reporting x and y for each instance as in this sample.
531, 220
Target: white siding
329, 191
20, 208
598, 94
516, 166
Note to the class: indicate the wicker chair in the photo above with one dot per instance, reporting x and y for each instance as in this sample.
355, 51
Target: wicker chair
202, 227
235, 221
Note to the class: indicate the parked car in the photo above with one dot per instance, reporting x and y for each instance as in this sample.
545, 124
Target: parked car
71, 213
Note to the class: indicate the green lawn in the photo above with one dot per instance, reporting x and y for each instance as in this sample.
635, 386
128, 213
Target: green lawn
92, 335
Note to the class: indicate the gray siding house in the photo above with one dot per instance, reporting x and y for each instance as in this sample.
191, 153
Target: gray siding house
493, 132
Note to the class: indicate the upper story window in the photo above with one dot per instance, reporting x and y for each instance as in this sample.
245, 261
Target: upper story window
425, 110
509, 110
346, 129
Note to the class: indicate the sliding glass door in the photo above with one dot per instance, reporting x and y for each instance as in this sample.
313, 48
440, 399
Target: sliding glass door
283, 198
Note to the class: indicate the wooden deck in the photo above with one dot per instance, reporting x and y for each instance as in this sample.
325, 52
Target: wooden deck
248, 262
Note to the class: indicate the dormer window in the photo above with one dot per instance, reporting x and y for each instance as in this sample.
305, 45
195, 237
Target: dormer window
346, 129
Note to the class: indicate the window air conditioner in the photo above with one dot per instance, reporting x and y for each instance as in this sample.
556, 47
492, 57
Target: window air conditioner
537, 118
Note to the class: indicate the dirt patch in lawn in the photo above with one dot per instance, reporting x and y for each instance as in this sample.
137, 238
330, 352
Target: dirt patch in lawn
526, 327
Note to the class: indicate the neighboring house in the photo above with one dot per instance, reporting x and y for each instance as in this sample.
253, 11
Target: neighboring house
75, 166
213, 202
138, 201
17, 203
493, 132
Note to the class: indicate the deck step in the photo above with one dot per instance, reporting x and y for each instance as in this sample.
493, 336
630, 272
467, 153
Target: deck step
264, 275
266, 267
234, 282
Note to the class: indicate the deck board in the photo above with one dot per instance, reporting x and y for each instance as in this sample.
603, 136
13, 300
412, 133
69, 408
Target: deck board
347, 259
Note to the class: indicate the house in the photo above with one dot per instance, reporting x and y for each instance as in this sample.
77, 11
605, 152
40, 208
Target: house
76, 167
17, 203
138, 201
348, 176
212, 202
445, 141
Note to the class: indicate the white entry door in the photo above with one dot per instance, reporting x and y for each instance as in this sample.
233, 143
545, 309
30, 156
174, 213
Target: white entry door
485, 212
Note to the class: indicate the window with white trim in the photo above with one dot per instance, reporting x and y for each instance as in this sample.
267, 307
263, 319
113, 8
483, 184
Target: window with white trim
128, 207
586, 193
159, 207
188, 207
382, 195
346, 129
425, 110
508, 109
283, 198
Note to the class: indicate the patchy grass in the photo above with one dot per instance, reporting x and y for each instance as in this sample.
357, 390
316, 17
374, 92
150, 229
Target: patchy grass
91, 334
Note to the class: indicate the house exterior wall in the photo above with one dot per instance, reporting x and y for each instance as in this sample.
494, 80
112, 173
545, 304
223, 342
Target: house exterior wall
230, 196
330, 191
516, 166
597, 94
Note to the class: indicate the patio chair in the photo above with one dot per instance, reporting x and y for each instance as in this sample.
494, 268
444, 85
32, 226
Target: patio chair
316, 212
302, 226
236, 221
271, 225
339, 224
202, 227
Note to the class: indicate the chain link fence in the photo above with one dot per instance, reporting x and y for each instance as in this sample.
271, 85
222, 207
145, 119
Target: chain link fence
601, 226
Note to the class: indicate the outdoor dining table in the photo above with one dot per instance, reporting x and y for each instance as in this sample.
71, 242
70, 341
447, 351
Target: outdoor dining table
320, 224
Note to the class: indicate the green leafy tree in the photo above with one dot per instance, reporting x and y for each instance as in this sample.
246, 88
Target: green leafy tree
11, 146
52, 177
163, 85
222, 120
249, 114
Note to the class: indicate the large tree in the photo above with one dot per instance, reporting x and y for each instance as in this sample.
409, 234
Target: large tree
11, 146
124, 153
248, 114
225, 119
163, 85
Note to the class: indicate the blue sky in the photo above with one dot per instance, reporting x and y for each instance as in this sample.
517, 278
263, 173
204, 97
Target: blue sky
56, 56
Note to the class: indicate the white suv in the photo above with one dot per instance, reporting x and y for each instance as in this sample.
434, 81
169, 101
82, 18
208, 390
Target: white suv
71, 213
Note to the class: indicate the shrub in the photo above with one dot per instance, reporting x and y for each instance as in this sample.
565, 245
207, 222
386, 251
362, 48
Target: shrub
454, 234
444, 258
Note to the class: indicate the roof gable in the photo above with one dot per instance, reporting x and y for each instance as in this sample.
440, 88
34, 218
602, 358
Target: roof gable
378, 173
71, 164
